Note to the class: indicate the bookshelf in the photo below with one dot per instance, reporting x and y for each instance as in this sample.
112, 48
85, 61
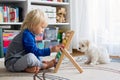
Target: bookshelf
28, 5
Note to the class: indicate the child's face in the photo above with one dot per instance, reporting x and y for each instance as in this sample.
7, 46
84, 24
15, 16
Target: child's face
39, 29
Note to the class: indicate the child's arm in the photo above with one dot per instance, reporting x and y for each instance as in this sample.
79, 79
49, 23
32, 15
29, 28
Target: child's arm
30, 45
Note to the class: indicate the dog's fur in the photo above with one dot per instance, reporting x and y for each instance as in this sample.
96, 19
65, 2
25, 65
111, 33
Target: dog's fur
95, 54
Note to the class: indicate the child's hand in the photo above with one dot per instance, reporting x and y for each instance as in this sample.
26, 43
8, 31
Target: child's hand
55, 48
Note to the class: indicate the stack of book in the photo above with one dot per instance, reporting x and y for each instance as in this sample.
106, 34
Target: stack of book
10, 14
7, 36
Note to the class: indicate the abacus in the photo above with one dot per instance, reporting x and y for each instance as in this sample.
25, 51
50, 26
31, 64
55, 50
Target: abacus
64, 52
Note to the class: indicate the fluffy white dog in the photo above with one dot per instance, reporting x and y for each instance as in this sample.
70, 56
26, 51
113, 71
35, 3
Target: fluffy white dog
96, 55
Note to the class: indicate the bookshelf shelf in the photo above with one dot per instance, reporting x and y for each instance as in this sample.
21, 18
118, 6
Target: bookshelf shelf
10, 23
19, 23
62, 24
12, 0
50, 3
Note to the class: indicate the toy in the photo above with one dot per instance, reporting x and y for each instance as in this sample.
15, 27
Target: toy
57, 57
61, 15
59, 0
64, 51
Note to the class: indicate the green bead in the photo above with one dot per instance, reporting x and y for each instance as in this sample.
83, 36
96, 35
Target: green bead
58, 55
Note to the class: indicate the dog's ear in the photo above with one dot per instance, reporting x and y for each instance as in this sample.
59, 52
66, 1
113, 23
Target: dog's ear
87, 42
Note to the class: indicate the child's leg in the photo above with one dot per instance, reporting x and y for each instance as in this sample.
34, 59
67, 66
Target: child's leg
46, 65
33, 69
27, 62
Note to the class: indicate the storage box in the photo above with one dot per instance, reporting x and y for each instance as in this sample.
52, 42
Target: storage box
46, 43
50, 43
39, 37
51, 33
40, 44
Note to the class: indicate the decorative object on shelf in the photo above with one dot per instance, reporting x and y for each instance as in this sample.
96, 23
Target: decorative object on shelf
60, 0
51, 33
61, 15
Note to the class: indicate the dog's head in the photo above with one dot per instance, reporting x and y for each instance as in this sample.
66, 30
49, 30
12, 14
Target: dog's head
83, 45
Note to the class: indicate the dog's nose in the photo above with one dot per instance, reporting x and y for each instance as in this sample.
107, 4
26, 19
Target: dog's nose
79, 48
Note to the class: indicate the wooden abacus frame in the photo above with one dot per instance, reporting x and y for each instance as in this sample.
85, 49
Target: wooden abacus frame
67, 54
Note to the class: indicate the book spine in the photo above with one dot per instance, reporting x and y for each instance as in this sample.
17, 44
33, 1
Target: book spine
5, 13
1, 44
12, 14
17, 14
1, 14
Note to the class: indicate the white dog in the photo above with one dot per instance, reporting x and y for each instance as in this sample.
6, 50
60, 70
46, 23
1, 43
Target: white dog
95, 54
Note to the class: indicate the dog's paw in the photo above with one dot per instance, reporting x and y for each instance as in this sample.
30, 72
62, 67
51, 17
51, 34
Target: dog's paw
97, 63
92, 64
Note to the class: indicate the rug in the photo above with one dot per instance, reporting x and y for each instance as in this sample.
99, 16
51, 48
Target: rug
67, 71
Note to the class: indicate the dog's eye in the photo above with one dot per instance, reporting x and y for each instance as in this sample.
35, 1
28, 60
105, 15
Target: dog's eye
82, 45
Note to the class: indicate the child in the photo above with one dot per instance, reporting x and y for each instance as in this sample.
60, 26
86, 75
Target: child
22, 53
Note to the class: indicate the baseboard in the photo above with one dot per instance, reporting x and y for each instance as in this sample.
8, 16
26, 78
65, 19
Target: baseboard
116, 57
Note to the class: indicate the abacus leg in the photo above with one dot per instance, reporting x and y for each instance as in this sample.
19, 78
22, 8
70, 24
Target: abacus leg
58, 63
66, 53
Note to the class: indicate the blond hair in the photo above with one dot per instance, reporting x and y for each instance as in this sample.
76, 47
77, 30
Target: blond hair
33, 18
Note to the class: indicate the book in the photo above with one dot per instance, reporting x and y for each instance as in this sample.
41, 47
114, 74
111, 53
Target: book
1, 14
12, 14
5, 16
17, 14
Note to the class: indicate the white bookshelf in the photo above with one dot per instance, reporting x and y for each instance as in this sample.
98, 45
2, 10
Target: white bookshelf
26, 5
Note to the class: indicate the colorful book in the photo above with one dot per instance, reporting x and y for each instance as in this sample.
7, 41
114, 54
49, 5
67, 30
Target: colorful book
17, 14
1, 14
12, 14
5, 13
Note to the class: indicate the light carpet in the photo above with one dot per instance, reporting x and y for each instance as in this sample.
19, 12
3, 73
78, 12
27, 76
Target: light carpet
67, 71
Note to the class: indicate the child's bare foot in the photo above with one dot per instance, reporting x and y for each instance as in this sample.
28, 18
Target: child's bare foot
45, 62
34, 69
49, 64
